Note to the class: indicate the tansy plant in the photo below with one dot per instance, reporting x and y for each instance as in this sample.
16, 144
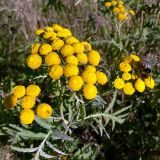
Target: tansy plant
65, 97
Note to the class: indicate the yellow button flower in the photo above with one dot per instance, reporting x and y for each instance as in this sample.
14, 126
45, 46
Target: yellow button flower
33, 90
121, 17
45, 49
149, 82
39, 32
27, 116
113, 3
75, 83
89, 91
90, 68
71, 70
64, 33
128, 88
140, 85
44, 110
82, 58
118, 83
72, 60
101, 78
120, 2
107, 4
19, 91
67, 50
35, 48
126, 76
124, 67
48, 35
57, 44
128, 59
28, 102
87, 46
120, 6
122, 10
78, 48
49, 29
93, 58
131, 12
34, 61
57, 28
135, 57
116, 10
52, 59
134, 76
10, 101
89, 77
70, 40
55, 72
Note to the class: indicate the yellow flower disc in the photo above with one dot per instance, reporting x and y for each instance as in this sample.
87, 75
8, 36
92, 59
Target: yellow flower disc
45, 49
118, 83
120, 6
134, 76
126, 76
140, 85
93, 58
27, 116
72, 60
71, 40
28, 102
39, 32
35, 48
64, 33
82, 58
90, 68
128, 59
78, 48
55, 72
48, 35
128, 88
101, 78
75, 83
10, 101
52, 59
71, 70
122, 10
125, 67
116, 10
49, 29
121, 17
44, 110
107, 4
120, 2
89, 77
57, 44
87, 46
57, 28
89, 91
67, 50
149, 82
113, 3
131, 12
135, 57
19, 91
34, 61
33, 90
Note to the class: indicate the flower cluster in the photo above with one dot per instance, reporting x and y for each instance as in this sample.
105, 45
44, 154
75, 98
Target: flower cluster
27, 97
66, 56
134, 77
118, 8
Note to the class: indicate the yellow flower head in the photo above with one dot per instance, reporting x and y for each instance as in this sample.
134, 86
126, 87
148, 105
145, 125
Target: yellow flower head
134, 76
39, 32
52, 59
10, 101
140, 85
71, 70
90, 68
101, 78
126, 76
120, 2
128, 88
48, 35
87, 46
44, 110
149, 82
82, 58
67, 50
35, 48
78, 48
57, 28
120, 6
57, 44
93, 58
19, 91
121, 17
113, 3
122, 10
131, 12
28, 102
33, 90
34, 61
89, 77
45, 49
118, 83
125, 67
72, 60
107, 4
75, 83
55, 72
116, 10
135, 57
70, 40
89, 91
27, 116
48, 29
128, 59
64, 33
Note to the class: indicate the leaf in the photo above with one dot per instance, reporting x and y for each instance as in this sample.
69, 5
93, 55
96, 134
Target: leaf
62, 136
25, 150
54, 148
45, 155
122, 110
82, 112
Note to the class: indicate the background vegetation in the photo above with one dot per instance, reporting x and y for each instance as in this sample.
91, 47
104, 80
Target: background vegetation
137, 138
